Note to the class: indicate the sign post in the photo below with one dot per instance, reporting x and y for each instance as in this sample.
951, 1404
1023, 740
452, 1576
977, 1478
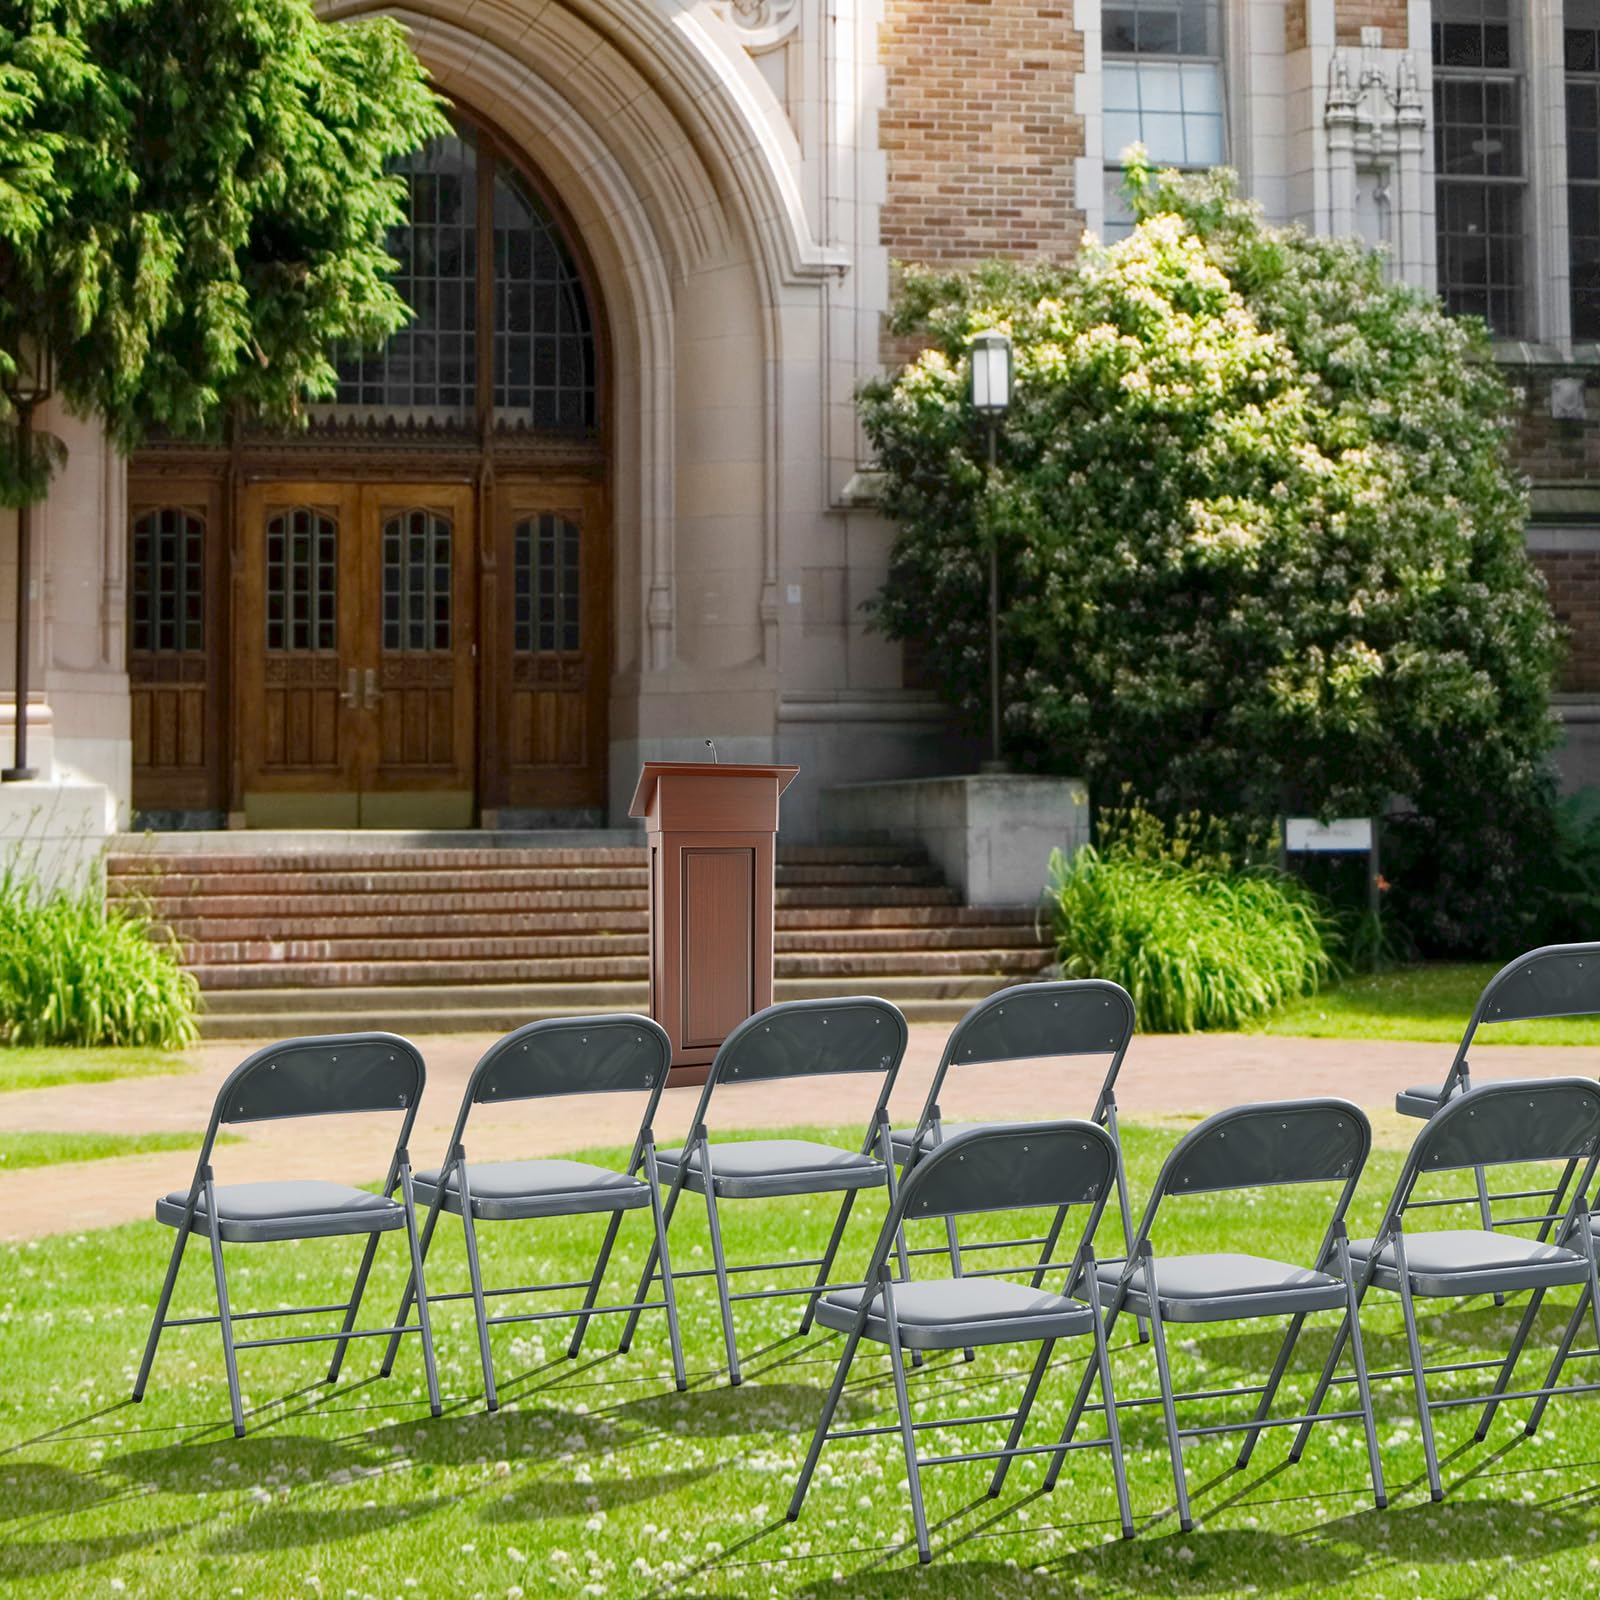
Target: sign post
1344, 836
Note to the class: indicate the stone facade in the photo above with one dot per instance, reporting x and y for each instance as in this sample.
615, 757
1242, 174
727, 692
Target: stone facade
739, 176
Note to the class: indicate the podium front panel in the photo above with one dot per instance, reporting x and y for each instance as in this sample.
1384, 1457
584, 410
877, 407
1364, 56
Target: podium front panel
718, 898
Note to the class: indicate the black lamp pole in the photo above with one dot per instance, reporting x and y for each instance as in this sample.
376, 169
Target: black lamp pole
990, 380
30, 383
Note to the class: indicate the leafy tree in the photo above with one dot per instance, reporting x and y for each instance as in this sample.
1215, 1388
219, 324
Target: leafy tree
193, 203
1261, 545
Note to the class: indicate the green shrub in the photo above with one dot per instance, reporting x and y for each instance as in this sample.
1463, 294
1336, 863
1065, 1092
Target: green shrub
76, 971
1196, 947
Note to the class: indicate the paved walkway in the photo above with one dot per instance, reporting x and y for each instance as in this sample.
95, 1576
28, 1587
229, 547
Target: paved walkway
1163, 1075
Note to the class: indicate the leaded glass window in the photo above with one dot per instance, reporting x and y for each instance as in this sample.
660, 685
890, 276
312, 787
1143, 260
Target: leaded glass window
302, 581
168, 581
541, 339
1479, 160
1162, 88
416, 581
1582, 41
546, 589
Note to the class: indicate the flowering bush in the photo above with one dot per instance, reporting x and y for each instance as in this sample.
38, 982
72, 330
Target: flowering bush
1261, 548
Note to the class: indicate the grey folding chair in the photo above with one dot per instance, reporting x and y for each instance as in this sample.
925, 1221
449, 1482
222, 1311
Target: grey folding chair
1026, 1166
1081, 1016
797, 1039
558, 1056
1556, 980
310, 1077
1545, 1120
1253, 1146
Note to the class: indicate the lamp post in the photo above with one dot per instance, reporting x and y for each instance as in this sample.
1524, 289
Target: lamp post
28, 386
990, 363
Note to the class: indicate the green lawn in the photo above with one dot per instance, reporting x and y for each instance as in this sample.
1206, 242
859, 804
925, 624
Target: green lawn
1431, 1003
19, 1150
45, 1067
599, 1479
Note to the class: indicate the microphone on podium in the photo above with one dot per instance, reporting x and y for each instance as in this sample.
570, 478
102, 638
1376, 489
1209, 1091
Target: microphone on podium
711, 745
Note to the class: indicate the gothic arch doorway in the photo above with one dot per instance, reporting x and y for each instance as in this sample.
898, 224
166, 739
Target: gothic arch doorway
400, 617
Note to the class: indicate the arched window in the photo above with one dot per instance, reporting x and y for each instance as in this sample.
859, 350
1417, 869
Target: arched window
468, 208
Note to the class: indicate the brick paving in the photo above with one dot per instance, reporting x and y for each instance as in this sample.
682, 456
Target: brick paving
1163, 1076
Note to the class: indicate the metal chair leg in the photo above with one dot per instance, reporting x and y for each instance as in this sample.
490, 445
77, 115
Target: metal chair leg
429, 1363
1418, 1378
1380, 1494
575, 1344
1081, 1398
354, 1307
827, 1259
1563, 1350
179, 1244
1503, 1378
720, 1263
225, 1314
908, 1434
1169, 1409
625, 1343
1020, 1420
1269, 1393
829, 1406
391, 1349
475, 1273
668, 1292
1119, 1470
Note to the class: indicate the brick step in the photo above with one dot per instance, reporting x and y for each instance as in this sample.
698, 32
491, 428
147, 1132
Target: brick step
848, 968
477, 942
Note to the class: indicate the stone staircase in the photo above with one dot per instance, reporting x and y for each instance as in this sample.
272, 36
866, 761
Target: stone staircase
448, 933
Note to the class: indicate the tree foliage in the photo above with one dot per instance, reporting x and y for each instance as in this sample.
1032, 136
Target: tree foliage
194, 204
1261, 545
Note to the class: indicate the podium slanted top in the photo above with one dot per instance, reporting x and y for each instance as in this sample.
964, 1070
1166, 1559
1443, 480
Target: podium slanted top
709, 796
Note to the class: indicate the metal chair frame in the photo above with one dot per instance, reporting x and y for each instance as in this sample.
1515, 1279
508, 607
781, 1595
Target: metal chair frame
558, 1056
265, 1087
1338, 1139
1556, 980
752, 1053
1021, 1166
1077, 1016
1537, 1120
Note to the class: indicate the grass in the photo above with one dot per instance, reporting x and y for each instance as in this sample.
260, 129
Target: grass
599, 1479
19, 1150
44, 1067
1430, 1003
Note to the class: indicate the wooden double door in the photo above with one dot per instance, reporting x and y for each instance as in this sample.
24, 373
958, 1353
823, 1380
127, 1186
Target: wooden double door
394, 654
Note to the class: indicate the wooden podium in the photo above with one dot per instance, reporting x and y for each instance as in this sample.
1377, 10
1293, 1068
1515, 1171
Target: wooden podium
712, 831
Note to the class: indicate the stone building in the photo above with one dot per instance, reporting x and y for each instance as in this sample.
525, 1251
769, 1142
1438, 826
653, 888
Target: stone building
604, 498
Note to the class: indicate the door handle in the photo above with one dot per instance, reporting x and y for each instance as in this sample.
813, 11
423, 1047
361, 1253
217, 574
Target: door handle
373, 693
350, 695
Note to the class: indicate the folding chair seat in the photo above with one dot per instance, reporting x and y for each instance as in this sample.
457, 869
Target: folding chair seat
1029, 1021
1545, 1120
330, 1075
1042, 1165
1556, 980
797, 1039
1253, 1146
556, 1056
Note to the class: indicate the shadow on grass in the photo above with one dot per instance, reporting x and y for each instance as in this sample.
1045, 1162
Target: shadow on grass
35, 1558
547, 1501
282, 1528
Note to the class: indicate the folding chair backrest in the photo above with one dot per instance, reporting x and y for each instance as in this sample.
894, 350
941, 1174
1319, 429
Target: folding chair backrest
1073, 1017
805, 1038
1544, 1119
574, 1055
326, 1075
1559, 980
1036, 1164
1257, 1146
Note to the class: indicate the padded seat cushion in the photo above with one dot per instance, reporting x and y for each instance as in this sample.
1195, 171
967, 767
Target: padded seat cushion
1221, 1273
290, 1208
1422, 1099
967, 1308
778, 1166
1445, 1262
524, 1188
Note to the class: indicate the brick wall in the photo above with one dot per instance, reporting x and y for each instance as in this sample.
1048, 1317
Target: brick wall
979, 130
1351, 16
1574, 579
1551, 448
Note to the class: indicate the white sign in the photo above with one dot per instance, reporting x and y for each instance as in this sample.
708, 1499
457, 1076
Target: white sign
1343, 834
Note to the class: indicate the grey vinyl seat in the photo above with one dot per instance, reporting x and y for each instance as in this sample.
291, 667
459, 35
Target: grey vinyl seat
1042, 1166
1268, 1145
1556, 980
1464, 1261
1028, 1022
330, 1075
754, 1169
811, 1039
614, 1054
1538, 1121
303, 1208
951, 1313
1217, 1286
